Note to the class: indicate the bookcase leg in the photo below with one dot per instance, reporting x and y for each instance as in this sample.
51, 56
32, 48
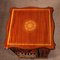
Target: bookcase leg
44, 52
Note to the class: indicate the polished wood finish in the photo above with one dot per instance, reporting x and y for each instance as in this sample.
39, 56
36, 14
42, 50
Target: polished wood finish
40, 32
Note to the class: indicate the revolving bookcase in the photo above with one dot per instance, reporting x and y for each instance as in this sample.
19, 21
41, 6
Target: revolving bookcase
30, 31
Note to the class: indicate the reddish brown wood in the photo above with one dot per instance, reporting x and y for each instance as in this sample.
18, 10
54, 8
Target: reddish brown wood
41, 36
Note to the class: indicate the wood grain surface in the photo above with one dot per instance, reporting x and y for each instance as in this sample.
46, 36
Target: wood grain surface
41, 36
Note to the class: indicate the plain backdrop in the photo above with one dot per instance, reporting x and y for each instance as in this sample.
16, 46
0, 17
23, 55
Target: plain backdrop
5, 5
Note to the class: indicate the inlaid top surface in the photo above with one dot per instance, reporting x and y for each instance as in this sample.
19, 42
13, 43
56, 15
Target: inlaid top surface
30, 28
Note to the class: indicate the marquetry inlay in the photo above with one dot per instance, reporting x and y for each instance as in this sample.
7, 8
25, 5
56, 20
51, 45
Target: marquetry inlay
30, 25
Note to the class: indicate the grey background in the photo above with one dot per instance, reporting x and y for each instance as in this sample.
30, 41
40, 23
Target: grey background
4, 14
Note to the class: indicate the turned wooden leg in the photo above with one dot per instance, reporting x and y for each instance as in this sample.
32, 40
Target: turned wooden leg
37, 53
44, 52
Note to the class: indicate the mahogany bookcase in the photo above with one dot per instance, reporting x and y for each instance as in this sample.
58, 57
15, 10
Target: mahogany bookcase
30, 30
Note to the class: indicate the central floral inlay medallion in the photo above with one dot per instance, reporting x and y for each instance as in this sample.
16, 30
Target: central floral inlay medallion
30, 25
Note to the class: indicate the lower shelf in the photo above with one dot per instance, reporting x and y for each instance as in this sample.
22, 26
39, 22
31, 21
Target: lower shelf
34, 53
